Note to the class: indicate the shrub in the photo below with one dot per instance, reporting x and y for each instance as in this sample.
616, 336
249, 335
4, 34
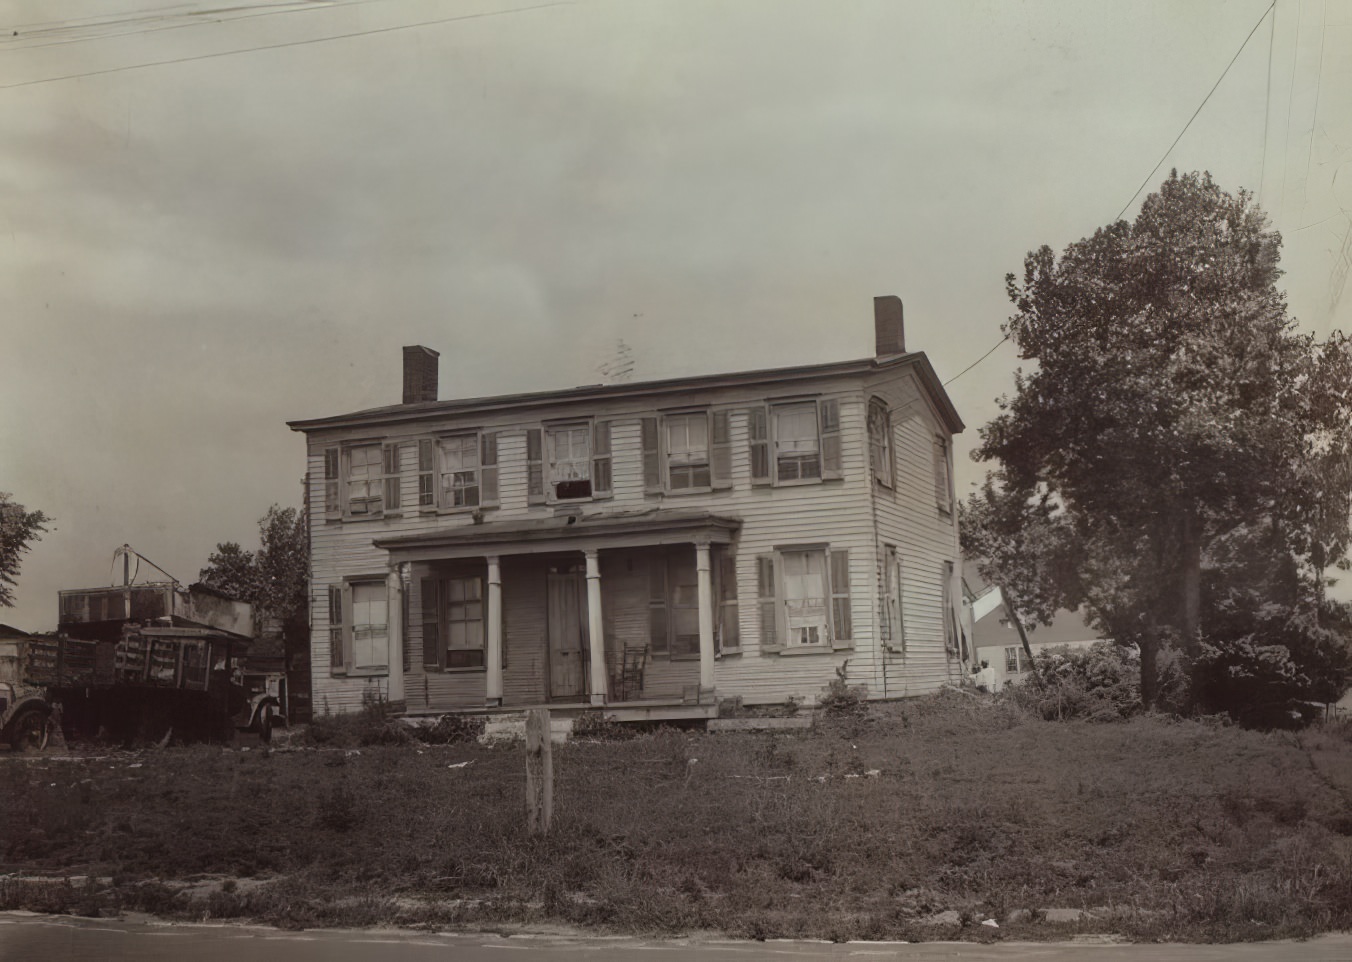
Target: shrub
842, 698
450, 730
601, 727
1099, 683
1264, 663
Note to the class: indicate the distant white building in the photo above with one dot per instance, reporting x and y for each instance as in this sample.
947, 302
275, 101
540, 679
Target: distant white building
996, 641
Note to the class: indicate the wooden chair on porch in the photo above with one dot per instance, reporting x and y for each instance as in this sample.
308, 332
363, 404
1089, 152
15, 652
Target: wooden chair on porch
633, 661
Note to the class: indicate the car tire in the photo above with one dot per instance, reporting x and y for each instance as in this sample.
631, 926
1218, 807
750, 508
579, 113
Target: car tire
30, 730
265, 724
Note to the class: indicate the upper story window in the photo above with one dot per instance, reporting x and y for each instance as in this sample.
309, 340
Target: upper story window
687, 437
795, 441
880, 442
468, 466
687, 451
943, 479
361, 480
365, 480
568, 462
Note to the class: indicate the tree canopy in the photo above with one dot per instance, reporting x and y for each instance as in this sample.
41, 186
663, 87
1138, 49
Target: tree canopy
275, 578
19, 528
1172, 404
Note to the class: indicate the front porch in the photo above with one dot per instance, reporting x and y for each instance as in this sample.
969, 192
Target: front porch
623, 611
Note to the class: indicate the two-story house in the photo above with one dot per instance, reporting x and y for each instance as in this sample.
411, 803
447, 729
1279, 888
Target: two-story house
651, 544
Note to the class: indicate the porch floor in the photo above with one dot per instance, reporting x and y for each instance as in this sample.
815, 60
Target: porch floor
653, 709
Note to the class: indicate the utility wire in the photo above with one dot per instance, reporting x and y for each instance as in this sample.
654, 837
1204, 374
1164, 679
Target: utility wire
1272, 6
976, 362
1267, 104
195, 19
288, 43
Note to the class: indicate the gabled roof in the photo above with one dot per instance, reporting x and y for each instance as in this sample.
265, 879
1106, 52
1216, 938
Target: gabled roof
397, 413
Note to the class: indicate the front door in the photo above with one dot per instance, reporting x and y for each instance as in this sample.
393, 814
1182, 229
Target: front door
567, 635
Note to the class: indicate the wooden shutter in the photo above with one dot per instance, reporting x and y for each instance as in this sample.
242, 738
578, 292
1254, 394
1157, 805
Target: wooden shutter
659, 632
943, 490
488, 469
842, 628
535, 467
828, 420
333, 505
652, 462
720, 449
336, 640
427, 485
768, 594
758, 442
601, 463
430, 609
390, 468
729, 631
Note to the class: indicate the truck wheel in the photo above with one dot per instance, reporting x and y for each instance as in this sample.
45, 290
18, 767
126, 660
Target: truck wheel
30, 730
265, 724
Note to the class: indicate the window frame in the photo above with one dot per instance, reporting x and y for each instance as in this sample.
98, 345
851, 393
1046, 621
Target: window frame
881, 460
375, 475
657, 456
485, 471
892, 617
342, 626
837, 601
435, 613
763, 441
943, 475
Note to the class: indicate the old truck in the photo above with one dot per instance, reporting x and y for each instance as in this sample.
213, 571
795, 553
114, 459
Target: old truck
138, 661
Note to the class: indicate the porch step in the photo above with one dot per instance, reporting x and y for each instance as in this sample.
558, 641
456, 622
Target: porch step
511, 726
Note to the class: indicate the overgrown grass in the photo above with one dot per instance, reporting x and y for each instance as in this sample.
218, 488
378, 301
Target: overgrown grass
868, 827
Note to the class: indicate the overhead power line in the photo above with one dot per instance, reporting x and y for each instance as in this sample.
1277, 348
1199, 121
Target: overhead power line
1272, 6
976, 362
287, 43
193, 18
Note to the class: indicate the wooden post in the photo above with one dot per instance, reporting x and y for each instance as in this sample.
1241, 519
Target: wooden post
539, 772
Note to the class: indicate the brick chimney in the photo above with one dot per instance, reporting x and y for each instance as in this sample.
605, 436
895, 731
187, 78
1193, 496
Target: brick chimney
420, 374
889, 334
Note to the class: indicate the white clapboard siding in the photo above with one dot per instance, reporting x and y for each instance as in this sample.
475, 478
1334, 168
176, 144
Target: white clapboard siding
909, 518
845, 514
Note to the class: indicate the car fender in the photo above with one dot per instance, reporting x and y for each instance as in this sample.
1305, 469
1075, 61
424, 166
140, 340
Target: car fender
21, 703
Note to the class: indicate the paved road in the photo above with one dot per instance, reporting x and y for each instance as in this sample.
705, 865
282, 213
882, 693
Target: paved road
27, 938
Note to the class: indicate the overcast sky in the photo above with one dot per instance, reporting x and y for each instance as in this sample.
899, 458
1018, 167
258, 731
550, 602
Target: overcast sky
194, 252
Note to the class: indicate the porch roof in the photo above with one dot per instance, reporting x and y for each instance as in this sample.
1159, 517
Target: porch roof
566, 532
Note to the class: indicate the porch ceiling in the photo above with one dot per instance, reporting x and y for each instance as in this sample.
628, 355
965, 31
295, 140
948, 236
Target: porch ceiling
618, 529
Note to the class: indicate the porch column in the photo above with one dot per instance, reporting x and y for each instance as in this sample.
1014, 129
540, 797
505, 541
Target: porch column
706, 616
595, 629
493, 655
394, 620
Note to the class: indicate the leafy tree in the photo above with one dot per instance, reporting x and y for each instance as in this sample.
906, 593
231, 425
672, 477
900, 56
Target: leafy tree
275, 579
19, 528
232, 570
1172, 403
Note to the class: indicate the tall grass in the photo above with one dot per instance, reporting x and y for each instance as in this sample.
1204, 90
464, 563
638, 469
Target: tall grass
870, 826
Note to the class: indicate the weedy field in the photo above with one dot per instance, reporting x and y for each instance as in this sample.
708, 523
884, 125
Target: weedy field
912, 821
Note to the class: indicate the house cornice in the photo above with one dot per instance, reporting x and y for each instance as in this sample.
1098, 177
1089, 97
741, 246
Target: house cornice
405, 413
